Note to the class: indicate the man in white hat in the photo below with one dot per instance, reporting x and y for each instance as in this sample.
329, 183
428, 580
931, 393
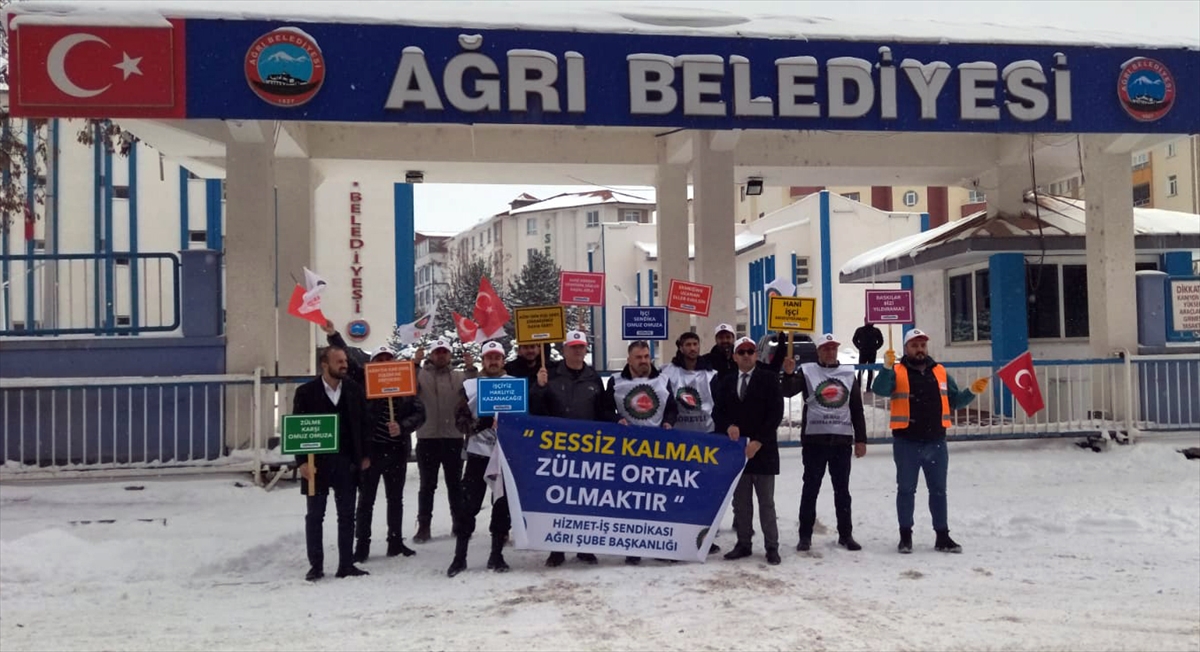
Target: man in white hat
571, 390
720, 358
832, 427
922, 397
480, 433
439, 443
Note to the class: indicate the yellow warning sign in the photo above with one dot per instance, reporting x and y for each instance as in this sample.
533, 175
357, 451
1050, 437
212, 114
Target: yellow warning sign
792, 314
541, 325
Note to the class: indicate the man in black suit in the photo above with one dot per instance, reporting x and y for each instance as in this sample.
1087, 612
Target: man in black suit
333, 393
749, 403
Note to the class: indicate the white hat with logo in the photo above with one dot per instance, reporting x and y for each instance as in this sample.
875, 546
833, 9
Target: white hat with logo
724, 328
914, 334
743, 342
576, 338
440, 345
827, 339
383, 350
492, 347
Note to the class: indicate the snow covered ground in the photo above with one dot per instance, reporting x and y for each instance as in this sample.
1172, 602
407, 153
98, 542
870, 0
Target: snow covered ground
1064, 549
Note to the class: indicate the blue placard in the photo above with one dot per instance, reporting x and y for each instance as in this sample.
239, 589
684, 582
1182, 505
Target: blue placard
585, 486
502, 395
644, 322
1183, 308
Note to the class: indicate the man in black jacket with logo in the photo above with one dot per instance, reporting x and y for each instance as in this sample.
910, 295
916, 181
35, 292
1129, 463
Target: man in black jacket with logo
720, 358
749, 403
333, 393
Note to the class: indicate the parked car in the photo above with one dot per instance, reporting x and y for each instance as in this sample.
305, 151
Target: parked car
803, 348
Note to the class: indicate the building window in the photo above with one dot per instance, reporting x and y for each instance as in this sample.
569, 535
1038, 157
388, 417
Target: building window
852, 196
801, 271
120, 192
1170, 150
1141, 161
531, 226
1172, 185
1075, 303
593, 219
911, 198
978, 197
631, 216
1141, 194
530, 253
198, 236
970, 307
654, 285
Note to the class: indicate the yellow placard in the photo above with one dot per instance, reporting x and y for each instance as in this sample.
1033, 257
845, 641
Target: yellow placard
792, 314
541, 325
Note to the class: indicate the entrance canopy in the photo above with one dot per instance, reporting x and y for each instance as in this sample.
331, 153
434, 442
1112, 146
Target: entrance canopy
509, 89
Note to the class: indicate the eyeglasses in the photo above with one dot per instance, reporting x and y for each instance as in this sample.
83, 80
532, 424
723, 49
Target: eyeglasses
746, 352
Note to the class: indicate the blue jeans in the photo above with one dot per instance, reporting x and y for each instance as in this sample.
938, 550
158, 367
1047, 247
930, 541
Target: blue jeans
911, 458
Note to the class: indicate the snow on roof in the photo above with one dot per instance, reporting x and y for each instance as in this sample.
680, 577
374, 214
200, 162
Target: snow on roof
795, 20
1057, 216
741, 242
577, 199
435, 234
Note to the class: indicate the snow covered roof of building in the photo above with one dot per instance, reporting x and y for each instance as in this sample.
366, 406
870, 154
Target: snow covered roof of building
1058, 222
793, 20
435, 234
741, 242
579, 199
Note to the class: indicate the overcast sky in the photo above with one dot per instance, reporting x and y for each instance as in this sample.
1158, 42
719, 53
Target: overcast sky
455, 207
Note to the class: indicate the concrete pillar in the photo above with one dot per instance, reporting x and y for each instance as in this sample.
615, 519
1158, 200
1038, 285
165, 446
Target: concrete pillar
714, 209
1110, 248
671, 192
296, 183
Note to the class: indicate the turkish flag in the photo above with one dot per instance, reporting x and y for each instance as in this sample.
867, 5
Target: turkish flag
490, 313
467, 329
1021, 379
306, 307
98, 71
29, 224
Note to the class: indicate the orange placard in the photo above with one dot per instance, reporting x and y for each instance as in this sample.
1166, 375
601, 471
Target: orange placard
386, 379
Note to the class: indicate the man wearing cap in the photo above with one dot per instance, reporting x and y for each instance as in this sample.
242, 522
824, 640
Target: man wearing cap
832, 426
749, 403
480, 433
571, 390
439, 443
720, 358
922, 397
394, 420
528, 362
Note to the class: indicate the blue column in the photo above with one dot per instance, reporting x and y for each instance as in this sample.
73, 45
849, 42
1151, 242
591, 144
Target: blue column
54, 129
650, 294
97, 221
826, 267
31, 206
110, 307
134, 263
184, 235
1177, 263
793, 274
212, 215
4, 267
1010, 319
906, 283
406, 281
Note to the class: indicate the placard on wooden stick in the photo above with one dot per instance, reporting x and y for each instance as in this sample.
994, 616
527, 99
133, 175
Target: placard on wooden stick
540, 325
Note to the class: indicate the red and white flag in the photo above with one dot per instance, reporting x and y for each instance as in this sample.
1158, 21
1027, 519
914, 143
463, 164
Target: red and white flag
306, 299
467, 329
1021, 379
490, 314
412, 332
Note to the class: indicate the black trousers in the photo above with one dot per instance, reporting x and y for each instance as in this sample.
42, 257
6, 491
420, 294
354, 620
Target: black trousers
343, 481
816, 458
434, 454
389, 462
474, 492
866, 357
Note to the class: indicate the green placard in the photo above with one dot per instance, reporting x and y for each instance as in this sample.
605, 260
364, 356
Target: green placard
310, 433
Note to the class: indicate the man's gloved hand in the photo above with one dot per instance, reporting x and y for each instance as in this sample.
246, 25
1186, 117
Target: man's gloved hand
889, 359
979, 386
484, 423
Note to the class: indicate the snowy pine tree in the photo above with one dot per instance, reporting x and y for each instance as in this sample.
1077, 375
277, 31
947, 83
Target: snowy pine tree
537, 283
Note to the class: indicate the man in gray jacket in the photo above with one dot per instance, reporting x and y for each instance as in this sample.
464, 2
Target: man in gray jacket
439, 444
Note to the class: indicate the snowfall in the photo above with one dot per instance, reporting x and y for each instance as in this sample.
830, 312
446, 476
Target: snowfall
1064, 548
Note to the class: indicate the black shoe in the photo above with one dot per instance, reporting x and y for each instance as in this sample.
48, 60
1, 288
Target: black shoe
905, 545
422, 535
849, 543
738, 552
496, 563
362, 551
587, 558
556, 559
773, 557
351, 571
457, 566
397, 547
713, 549
945, 543
805, 544
314, 574
633, 561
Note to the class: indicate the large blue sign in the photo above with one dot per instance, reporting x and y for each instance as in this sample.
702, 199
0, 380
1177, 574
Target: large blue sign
583, 486
644, 322
394, 73
502, 395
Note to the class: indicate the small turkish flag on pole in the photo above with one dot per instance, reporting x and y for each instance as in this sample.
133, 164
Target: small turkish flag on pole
1021, 379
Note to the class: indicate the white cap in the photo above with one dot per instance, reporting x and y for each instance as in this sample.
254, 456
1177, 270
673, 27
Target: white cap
381, 351
491, 347
744, 341
724, 328
576, 338
440, 344
827, 338
914, 334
